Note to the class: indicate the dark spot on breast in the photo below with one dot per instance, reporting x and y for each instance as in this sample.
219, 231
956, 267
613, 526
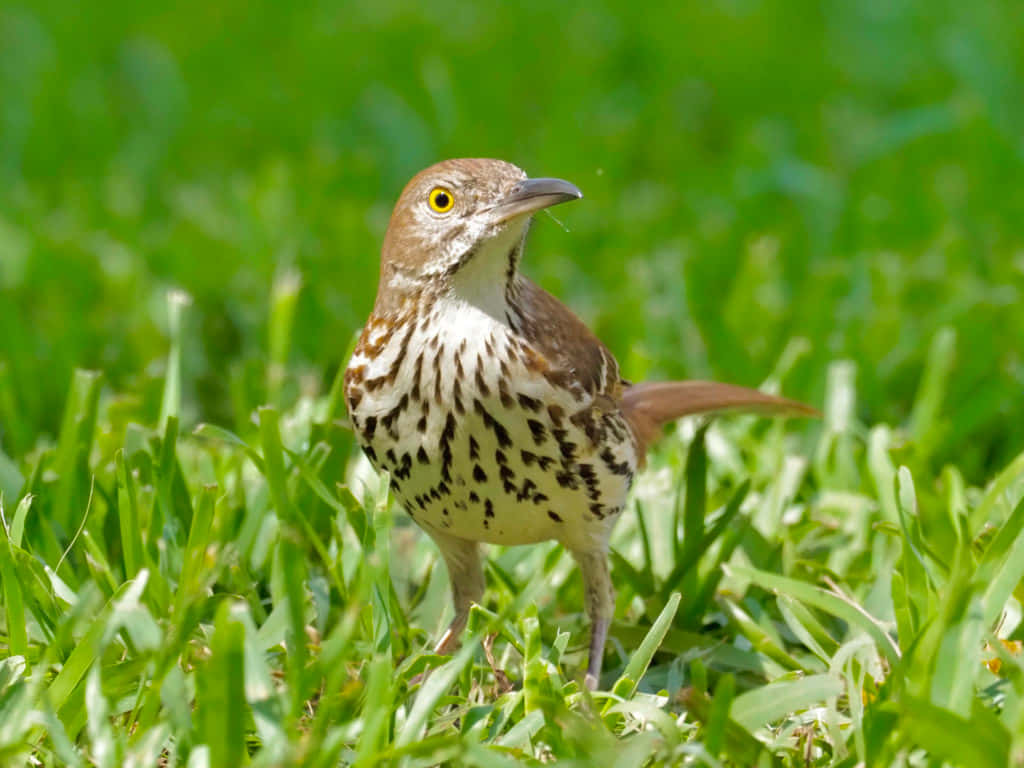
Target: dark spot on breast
449, 429
389, 418
479, 475
567, 448
566, 480
491, 423
481, 385
421, 456
488, 508
391, 457
506, 398
618, 468
556, 414
598, 510
473, 497
474, 449
540, 498
417, 370
500, 457
404, 471
369, 427
457, 396
355, 396
554, 516
538, 430
528, 457
528, 403
370, 454
584, 419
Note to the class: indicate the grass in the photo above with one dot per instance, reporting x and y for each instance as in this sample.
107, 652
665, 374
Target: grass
216, 599
198, 569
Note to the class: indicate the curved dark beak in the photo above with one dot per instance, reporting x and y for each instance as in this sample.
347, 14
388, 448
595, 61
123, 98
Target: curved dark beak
532, 195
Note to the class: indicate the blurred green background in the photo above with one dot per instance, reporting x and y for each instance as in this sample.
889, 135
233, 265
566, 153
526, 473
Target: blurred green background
755, 171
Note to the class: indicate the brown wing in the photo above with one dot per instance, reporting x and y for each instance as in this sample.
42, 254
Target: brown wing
576, 356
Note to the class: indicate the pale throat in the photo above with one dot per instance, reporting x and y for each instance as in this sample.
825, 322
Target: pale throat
484, 281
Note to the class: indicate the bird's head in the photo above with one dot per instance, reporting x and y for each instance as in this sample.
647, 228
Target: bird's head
461, 223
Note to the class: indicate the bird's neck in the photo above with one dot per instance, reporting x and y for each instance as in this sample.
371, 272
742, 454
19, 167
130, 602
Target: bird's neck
488, 281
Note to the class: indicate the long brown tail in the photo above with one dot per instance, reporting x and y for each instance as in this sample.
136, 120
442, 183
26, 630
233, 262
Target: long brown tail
649, 405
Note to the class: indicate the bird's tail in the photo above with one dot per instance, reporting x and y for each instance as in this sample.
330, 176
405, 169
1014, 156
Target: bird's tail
649, 405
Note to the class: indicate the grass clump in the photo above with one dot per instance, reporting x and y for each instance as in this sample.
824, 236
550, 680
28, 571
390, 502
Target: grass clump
213, 598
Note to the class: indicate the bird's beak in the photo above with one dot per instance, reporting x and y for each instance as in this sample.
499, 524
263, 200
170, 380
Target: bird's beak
531, 195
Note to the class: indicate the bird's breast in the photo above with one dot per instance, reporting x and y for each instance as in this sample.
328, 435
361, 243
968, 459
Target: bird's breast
481, 440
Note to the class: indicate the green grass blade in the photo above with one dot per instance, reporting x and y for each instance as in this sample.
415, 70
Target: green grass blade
77, 431
638, 663
220, 690
757, 708
14, 604
273, 455
979, 741
1002, 565
436, 685
170, 404
132, 546
18, 521
825, 601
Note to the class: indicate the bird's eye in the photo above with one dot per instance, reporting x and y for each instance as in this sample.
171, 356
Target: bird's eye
441, 200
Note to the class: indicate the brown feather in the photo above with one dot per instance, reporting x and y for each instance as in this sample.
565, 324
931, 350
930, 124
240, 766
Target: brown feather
649, 405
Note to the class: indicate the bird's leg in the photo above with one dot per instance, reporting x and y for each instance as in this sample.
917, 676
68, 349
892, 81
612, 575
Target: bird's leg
462, 557
599, 599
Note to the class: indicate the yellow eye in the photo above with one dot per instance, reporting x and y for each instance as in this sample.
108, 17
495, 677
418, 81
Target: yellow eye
441, 200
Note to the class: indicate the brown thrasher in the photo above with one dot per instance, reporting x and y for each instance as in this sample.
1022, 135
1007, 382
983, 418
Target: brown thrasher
500, 417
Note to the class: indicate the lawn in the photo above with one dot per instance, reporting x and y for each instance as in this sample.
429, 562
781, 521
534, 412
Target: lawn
198, 568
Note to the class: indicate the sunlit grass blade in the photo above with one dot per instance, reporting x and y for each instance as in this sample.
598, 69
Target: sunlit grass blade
627, 683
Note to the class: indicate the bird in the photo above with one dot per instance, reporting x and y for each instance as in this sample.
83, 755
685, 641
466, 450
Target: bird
499, 417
